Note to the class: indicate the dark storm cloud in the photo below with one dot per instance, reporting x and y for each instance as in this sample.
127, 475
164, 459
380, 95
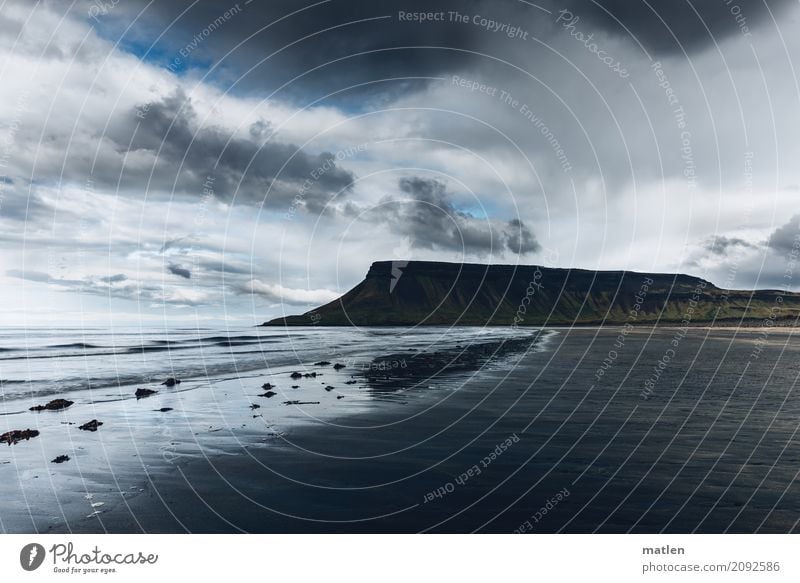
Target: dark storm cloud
116, 286
176, 153
430, 219
338, 29
721, 245
260, 130
179, 243
195, 159
226, 267
672, 26
175, 269
299, 37
520, 239
786, 238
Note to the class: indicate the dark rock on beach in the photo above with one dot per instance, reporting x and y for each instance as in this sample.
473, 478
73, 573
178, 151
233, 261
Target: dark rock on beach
12, 437
91, 425
338, 366
340, 396
171, 382
353, 382
60, 459
393, 372
301, 402
310, 375
267, 386
322, 363
296, 375
142, 393
295, 386
268, 394
54, 405
329, 388
162, 410
254, 406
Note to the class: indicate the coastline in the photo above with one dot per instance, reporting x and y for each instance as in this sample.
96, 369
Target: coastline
750, 324
143, 441
669, 463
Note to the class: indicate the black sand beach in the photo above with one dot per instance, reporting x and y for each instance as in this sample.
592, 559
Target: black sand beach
537, 442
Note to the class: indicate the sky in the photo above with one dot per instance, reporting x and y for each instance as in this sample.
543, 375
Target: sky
207, 163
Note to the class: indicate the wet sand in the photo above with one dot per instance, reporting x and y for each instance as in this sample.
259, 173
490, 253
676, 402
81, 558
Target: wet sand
713, 449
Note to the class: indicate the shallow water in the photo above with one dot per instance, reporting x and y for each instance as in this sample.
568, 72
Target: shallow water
680, 432
42, 361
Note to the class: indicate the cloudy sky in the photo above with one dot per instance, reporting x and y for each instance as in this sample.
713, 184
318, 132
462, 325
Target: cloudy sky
211, 162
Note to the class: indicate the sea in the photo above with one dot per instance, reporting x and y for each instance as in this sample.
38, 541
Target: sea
38, 362
428, 429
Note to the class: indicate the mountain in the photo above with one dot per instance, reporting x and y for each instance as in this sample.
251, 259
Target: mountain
400, 293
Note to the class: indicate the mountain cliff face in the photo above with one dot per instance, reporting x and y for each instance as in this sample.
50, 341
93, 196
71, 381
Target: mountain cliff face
399, 293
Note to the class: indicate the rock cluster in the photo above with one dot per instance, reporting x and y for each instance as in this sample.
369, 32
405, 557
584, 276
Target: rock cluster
54, 405
17, 435
91, 425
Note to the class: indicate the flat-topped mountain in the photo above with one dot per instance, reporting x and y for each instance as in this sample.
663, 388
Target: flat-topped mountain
400, 293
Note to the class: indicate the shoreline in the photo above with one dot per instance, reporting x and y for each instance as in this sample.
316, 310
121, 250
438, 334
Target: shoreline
792, 323
160, 432
435, 456
445, 463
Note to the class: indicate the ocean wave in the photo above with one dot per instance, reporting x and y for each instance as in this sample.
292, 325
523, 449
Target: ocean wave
74, 345
242, 342
230, 338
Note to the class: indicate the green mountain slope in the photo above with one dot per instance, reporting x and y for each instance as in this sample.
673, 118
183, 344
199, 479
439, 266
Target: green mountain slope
436, 293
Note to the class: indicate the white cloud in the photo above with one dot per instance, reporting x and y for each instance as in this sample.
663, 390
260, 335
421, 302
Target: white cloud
282, 295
